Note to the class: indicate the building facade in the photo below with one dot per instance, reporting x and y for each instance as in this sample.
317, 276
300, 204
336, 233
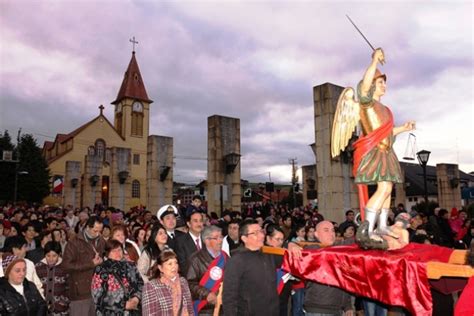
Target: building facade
115, 164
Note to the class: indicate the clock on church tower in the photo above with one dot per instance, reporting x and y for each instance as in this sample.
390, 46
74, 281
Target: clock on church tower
137, 107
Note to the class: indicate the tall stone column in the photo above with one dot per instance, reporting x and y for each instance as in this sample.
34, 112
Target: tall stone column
159, 172
309, 183
120, 183
72, 184
335, 184
223, 163
449, 190
92, 181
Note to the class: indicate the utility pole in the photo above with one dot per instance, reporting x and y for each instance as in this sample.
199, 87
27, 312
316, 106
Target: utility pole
294, 177
15, 189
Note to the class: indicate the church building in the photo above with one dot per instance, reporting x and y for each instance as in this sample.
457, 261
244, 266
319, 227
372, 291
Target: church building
114, 163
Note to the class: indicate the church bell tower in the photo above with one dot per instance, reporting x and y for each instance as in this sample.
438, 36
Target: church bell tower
132, 105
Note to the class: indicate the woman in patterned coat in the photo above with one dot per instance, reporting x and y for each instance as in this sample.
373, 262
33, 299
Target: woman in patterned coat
167, 294
116, 284
54, 279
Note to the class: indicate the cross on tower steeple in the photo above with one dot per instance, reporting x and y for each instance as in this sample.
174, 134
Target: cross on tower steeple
101, 108
133, 41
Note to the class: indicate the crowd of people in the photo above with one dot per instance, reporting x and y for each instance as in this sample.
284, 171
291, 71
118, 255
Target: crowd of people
184, 261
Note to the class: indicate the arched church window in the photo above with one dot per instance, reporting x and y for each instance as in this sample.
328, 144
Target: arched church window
135, 189
91, 151
100, 148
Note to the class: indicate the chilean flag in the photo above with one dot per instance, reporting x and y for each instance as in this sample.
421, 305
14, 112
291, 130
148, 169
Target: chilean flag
58, 184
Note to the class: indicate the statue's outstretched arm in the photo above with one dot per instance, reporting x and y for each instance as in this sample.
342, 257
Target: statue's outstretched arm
407, 127
377, 56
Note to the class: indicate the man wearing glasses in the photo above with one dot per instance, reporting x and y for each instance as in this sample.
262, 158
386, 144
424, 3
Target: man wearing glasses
250, 276
206, 270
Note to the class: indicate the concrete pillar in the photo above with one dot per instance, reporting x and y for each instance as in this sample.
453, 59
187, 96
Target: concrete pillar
92, 181
335, 184
400, 189
449, 190
223, 139
72, 184
310, 178
120, 183
159, 172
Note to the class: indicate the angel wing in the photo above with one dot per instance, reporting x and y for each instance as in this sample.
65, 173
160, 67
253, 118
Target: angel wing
345, 121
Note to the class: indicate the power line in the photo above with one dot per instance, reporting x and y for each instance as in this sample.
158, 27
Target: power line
258, 175
189, 157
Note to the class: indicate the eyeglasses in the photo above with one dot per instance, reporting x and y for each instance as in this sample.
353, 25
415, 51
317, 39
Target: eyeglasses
278, 239
260, 231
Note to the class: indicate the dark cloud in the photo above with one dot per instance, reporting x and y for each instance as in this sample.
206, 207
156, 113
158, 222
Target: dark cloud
254, 61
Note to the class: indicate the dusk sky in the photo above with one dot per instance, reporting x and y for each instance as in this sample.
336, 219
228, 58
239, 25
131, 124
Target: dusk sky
253, 60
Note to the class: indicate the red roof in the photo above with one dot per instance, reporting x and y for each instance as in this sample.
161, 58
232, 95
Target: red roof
47, 145
132, 84
60, 138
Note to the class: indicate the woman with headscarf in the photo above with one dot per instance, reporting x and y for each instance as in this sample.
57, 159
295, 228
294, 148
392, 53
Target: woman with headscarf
18, 296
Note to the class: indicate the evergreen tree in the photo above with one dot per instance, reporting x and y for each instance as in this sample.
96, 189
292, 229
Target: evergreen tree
7, 169
33, 172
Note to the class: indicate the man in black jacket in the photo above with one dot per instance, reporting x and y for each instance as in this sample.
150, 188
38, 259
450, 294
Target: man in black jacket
325, 299
250, 277
200, 262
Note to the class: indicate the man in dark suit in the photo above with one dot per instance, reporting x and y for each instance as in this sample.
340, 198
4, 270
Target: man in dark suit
167, 216
191, 242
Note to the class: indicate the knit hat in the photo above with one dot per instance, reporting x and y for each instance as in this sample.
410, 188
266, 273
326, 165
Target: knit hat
8, 262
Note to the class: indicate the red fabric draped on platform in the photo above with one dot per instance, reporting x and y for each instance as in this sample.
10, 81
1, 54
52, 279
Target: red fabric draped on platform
396, 277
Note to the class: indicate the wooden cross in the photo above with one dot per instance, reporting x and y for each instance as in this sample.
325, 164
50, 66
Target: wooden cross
101, 108
133, 41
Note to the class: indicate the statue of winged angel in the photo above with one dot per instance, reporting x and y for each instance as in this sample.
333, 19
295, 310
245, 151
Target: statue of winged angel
375, 161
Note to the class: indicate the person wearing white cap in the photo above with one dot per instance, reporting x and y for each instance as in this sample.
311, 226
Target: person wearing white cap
167, 215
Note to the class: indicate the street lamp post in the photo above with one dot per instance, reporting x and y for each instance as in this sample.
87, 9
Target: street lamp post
423, 157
